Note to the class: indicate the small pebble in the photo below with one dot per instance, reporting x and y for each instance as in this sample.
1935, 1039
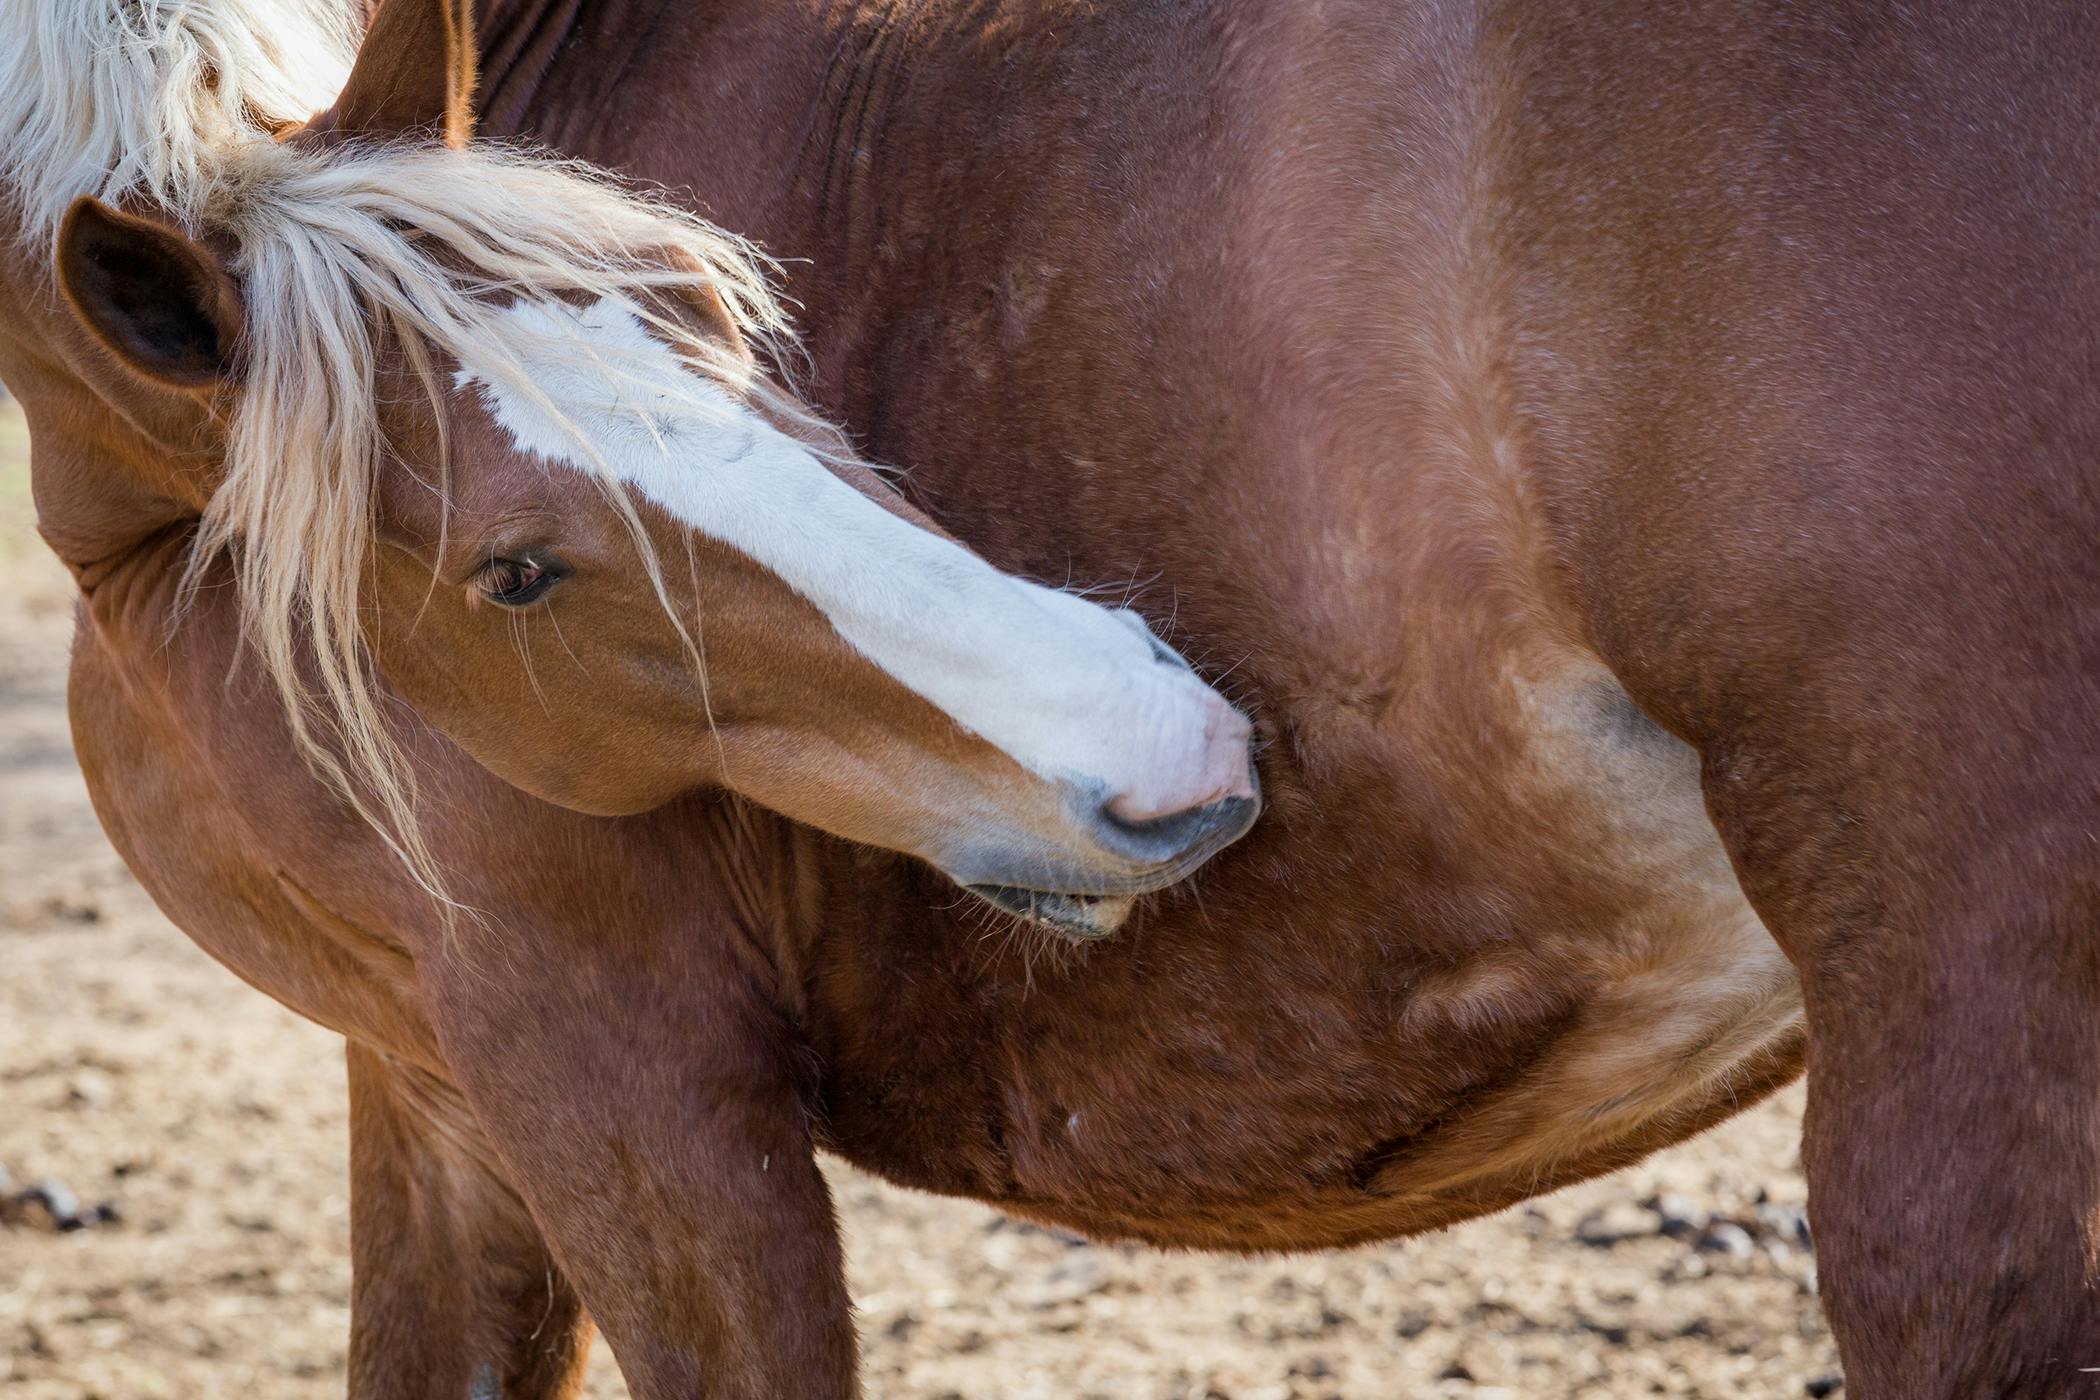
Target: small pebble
56, 1200
49, 1204
1787, 1224
1076, 1278
88, 1089
1681, 1220
1412, 1323
1823, 1386
1727, 1238
1611, 1333
1621, 1221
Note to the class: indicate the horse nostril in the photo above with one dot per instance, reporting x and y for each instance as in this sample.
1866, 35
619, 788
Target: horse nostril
1166, 655
1201, 793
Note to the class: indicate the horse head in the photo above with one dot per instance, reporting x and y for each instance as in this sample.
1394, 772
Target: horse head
497, 437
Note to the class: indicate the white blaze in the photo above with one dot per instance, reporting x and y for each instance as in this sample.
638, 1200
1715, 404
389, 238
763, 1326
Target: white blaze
1063, 687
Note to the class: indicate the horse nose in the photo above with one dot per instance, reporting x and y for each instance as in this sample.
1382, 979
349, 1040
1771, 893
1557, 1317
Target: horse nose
1204, 807
1211, 763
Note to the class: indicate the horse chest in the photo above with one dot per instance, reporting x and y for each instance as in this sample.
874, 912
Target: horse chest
221, 842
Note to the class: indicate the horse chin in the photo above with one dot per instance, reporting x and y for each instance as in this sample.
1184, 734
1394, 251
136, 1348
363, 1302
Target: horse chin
1081, 918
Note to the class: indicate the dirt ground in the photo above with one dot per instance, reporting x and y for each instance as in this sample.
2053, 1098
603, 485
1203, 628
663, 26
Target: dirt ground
201, 1129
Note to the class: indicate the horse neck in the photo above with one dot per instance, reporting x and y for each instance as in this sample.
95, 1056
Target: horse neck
773, 119
657, 88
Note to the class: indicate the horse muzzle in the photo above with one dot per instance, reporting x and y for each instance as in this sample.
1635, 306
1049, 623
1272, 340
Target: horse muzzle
1088, 897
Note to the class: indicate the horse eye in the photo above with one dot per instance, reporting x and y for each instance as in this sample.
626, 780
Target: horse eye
516, 582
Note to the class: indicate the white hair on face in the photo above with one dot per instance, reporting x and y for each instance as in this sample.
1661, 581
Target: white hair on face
116, 97
1031, 670
340, 250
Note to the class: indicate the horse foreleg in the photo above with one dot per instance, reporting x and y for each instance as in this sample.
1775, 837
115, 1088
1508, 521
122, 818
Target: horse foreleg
1952, 1148
1952, 979
453, 1293
641, 1097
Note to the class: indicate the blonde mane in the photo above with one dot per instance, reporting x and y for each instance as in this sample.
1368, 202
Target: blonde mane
122, 97
342, 250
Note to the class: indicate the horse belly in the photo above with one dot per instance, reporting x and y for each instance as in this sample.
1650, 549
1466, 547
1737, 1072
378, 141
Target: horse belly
1248, 1070
1686, 1011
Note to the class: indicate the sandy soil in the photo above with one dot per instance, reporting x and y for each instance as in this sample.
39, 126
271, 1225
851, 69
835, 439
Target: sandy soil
139, 1075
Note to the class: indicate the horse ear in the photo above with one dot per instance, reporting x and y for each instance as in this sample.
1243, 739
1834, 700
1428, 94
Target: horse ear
415, 71
159, 300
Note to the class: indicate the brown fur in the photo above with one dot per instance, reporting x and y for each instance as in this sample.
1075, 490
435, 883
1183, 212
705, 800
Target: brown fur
1449, 374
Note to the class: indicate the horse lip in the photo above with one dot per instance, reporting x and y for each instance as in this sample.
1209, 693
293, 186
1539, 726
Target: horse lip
1144, 872
1066, 914
1068, 899
1069, 909
1192, 837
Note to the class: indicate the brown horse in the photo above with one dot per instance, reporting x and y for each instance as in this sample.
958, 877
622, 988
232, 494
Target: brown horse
1634, 461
